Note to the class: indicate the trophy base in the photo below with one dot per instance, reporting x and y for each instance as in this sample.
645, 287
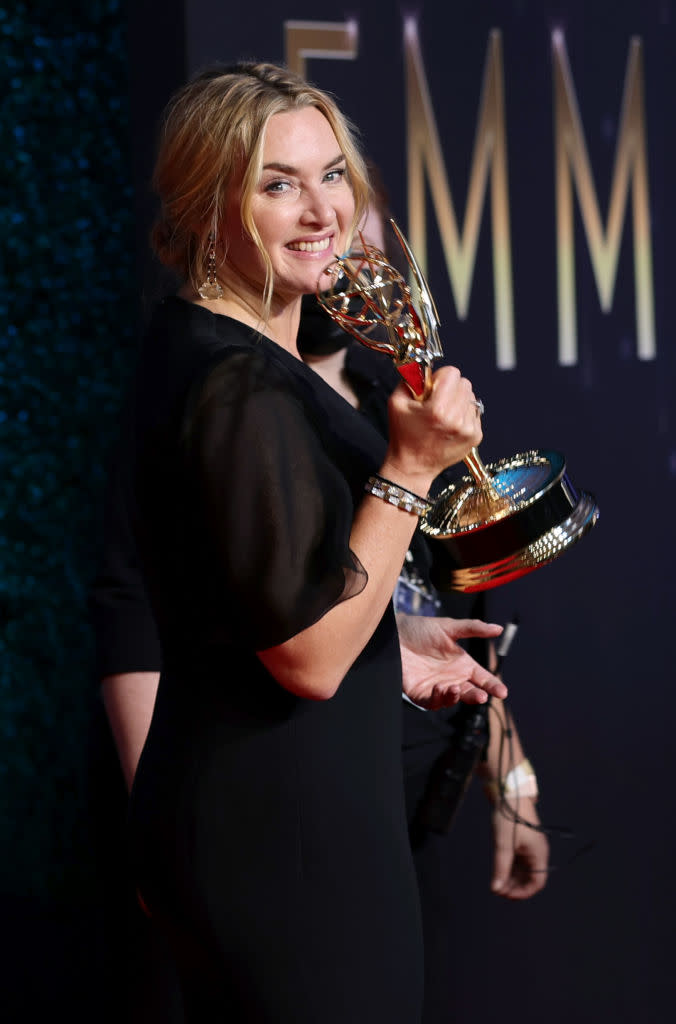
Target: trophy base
525, 516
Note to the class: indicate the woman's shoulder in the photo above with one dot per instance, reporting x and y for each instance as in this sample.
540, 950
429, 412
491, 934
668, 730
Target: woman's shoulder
189, 343
181, 323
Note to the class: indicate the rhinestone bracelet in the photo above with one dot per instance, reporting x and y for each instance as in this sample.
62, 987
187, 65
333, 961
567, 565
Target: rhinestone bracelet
397, 496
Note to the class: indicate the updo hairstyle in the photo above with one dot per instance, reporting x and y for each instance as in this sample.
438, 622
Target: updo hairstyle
212, 128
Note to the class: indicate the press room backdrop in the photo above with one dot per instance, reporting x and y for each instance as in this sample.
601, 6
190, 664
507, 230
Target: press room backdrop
529, 154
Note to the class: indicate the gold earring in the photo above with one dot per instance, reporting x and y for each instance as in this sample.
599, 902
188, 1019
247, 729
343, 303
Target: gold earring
211, 289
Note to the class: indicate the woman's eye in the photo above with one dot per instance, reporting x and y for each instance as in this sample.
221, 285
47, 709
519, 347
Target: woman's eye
280, 188
335, 175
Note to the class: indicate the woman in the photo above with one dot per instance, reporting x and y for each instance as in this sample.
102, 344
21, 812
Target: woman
267, 825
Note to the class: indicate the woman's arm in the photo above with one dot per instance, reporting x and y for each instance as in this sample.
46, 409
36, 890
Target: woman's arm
424, 439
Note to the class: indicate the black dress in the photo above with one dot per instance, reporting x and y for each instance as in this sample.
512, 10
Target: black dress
268, 832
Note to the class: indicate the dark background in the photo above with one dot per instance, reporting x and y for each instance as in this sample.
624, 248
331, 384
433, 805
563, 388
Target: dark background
591, 670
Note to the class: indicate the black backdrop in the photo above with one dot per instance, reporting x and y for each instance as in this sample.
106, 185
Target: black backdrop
591, 671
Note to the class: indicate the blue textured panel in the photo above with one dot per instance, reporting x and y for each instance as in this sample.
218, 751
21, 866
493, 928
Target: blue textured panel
67, 311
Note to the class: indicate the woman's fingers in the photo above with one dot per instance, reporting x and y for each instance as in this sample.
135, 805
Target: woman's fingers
439, 431
456, 401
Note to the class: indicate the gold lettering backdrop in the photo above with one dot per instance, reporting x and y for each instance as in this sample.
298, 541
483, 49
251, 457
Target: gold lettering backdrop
528, 151
426, 167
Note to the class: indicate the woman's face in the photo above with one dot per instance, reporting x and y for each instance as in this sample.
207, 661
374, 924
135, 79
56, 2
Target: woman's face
302, 205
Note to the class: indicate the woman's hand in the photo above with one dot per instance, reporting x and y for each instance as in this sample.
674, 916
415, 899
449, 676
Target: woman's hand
437, 671
426, 437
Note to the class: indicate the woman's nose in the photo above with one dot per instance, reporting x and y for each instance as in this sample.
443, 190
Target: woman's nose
316, 207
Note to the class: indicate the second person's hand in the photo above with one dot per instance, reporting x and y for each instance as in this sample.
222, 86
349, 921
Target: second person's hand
437, 671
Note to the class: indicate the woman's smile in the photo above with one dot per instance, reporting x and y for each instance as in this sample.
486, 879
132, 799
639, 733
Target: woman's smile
311, 246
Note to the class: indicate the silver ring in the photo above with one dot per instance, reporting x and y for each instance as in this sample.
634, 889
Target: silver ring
479, 406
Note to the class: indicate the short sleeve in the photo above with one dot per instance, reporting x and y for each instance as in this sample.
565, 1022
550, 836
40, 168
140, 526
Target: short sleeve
124, 626
276, 509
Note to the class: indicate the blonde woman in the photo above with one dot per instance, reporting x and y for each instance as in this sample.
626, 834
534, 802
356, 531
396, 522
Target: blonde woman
267, 828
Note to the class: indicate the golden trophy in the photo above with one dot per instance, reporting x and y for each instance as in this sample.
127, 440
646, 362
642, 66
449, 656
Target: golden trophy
503, 520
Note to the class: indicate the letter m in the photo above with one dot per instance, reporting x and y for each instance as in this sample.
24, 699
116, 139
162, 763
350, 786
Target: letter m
490, 155
631, 165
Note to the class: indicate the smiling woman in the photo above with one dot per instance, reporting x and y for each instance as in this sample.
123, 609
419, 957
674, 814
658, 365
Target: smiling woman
211, 181
267, 828
298, 217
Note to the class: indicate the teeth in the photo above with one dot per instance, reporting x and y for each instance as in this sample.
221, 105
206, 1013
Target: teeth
311, 246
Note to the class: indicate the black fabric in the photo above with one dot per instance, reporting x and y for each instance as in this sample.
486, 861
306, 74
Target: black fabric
125, 633
127, 640
267, 832
318, 334
427, 736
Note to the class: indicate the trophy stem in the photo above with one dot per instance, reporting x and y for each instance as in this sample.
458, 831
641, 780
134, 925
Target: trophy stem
472, 460
484, 481
481, 501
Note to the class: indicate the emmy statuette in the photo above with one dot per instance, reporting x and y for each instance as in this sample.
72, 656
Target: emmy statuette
502, 520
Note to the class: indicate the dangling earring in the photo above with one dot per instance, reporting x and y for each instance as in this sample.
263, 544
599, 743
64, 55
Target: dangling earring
211, 289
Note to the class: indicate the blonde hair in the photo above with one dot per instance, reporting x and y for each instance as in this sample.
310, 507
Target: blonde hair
212, 128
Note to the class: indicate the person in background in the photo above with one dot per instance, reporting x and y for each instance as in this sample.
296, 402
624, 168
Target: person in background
267, 826
431, 739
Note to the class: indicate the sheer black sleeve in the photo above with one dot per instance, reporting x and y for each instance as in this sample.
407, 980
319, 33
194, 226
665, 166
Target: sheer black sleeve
276, 509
